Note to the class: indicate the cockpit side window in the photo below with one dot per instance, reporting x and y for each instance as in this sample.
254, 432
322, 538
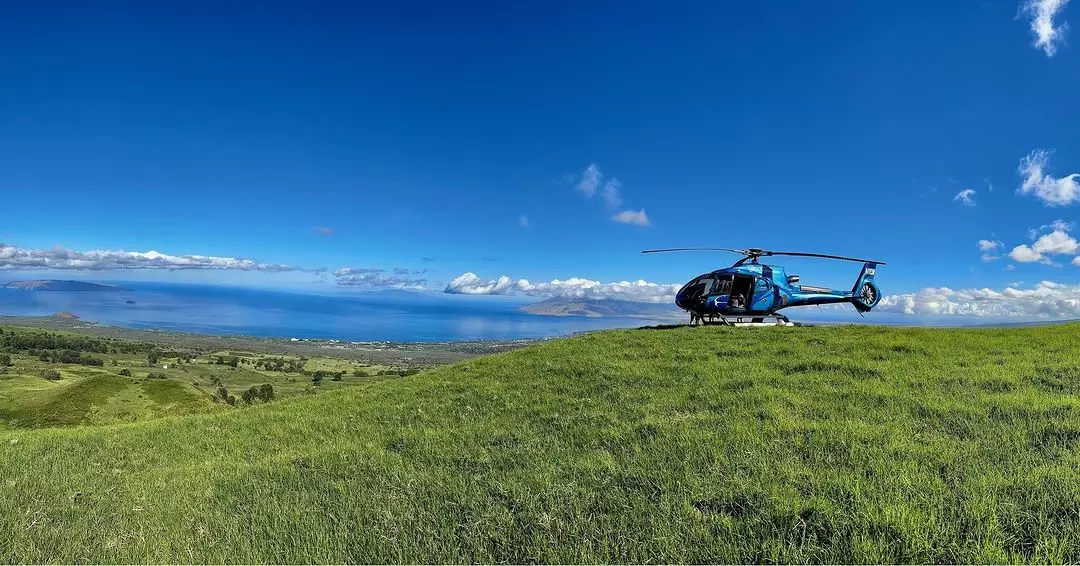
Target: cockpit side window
698, 287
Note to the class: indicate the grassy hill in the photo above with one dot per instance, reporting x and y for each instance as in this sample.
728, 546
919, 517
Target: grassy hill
852, 444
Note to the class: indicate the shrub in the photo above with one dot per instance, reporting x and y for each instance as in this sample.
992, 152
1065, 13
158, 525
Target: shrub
266, 392
222, 394
5, 359
231, 400
50, 374
317, 378
250, 394
153, 375
359, 373
125, 372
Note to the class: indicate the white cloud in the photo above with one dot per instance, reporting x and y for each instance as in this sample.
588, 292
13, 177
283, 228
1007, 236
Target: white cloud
523, 221
590, 180
1012, 267
375, 278
1042, 14
637, 218
990, 249
610, 192
14, 258
965, 197
1024, 254
471, 284
576, 287
1046, 299
1057, 242
989, 185
1052, 191
1076, 261
1057, 225
324, 230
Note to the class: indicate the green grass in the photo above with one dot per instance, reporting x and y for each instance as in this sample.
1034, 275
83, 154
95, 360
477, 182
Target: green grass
854, 444
104, 395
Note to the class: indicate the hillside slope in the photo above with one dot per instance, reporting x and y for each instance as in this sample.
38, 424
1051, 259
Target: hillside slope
851, 444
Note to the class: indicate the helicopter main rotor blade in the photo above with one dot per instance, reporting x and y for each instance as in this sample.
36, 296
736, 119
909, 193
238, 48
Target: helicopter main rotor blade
695, 250
827, 256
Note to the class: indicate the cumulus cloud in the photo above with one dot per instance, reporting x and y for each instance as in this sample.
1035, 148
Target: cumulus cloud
15, 258
965, 197
636, 218
1042, 14
375, 278
575, 287
1053, 191
1046, 299
1057, 242
990, 249
470, 284
590, 180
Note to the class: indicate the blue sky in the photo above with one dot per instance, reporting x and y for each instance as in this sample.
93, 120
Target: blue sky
417, 136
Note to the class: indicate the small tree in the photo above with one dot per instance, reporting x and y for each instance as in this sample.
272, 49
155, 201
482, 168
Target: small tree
222, 394
50, 374
317, 378
266, 392
234, 362
125, 372
250, 394
152, 357
5, 359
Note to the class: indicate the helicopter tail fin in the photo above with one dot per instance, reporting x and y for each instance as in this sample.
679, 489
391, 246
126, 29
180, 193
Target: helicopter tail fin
865, 293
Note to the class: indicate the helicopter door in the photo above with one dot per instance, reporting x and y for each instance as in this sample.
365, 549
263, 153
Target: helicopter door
742, 292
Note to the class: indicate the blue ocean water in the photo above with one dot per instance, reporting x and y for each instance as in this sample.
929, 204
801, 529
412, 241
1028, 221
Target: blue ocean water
372, 316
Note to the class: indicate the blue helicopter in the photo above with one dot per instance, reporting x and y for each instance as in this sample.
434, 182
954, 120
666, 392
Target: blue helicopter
749, 292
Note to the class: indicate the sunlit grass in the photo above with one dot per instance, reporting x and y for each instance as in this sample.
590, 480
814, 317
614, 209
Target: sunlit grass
852, 444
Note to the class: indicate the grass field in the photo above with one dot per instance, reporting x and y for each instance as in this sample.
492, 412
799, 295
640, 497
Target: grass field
121, 391
852, 444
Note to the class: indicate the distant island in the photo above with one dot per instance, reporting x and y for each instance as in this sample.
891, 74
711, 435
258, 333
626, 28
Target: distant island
564, 306
57, 285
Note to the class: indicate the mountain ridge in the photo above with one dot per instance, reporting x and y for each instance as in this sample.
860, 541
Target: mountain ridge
597, 308
60, 285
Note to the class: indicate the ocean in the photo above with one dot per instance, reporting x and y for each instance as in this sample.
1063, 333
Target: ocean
353, 316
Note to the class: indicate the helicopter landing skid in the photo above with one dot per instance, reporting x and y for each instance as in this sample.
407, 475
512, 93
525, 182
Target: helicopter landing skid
776, 320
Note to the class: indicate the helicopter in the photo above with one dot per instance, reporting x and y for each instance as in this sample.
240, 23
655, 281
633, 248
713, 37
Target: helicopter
749, 292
